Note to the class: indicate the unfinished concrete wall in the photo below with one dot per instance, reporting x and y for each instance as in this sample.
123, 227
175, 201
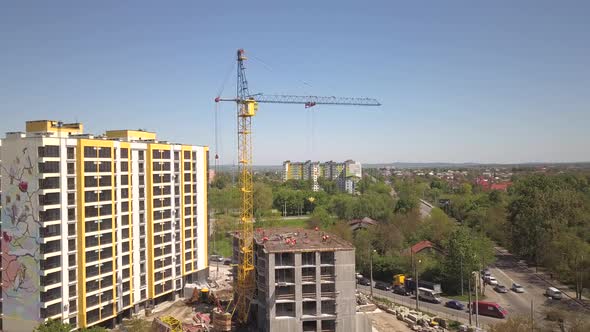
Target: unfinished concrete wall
345, 290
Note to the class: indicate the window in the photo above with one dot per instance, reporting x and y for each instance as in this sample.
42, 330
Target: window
71, 153
285, 309
124, 153
48, 151
105, 167
49, 199
49, 167
90, 152
49, 183
71, 183
50, 215
71, 168
90, 181
104, 152
90, 166
124, 167
124, 180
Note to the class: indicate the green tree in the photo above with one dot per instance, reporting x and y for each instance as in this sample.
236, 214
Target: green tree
262, 199
321, 218
53, 326
465, 251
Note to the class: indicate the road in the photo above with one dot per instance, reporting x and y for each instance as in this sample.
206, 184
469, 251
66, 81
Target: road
436, 309
425, 208
508, 270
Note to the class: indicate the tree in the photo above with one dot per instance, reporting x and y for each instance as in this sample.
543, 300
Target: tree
262, 199
53, 325
321, 218
542, 207
465, 251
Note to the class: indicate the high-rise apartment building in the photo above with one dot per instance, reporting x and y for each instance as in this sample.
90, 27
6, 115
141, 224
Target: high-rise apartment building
95, 228
345, 174
305, 281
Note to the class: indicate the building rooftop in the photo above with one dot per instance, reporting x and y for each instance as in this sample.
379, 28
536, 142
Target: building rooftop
289, 239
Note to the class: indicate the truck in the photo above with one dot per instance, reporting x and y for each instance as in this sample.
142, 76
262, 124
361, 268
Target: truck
485, 308
410, 285
428, 295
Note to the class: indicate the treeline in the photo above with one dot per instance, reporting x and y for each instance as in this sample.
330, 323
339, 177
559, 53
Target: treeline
543, 218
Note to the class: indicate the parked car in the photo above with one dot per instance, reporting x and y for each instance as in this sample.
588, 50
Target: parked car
501, 288
401, 290
488, 309
227, 261
216, 258
553, 293
517, 288
364, 281
383, 286
491, 280
454, 304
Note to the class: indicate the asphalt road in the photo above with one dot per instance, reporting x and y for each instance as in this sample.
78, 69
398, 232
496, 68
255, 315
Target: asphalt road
508, 270
436, 309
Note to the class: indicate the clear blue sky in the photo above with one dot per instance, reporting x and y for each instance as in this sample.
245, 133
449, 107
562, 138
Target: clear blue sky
459, 81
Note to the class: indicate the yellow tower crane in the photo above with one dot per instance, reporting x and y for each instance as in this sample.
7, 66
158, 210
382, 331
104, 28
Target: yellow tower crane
247, 106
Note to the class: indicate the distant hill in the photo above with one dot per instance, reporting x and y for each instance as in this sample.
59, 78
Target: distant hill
402, 165
477, 165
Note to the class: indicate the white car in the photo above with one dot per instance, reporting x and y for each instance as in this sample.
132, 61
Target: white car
492, 281
517, 288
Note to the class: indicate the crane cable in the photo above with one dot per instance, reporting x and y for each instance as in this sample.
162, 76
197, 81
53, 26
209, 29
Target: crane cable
216, 120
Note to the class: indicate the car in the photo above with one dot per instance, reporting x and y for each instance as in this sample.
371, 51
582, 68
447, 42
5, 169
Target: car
383, 286
553, 293
501, 288
216, 258
454, 304
227, 261
364, 281
492, 281
517, 288
401, 290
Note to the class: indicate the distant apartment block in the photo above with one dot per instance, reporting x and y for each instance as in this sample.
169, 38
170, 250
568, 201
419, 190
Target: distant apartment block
95, 228
345, 174
304, 282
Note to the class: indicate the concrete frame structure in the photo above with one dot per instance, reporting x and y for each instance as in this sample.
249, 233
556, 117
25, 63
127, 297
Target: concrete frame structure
305, 281
95, 228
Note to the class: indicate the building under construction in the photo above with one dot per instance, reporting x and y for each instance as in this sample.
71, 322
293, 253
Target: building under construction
304, 281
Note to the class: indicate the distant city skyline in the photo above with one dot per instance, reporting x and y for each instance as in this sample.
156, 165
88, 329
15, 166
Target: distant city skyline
499, 82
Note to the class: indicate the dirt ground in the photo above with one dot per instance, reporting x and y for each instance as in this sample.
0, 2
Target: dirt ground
384, 322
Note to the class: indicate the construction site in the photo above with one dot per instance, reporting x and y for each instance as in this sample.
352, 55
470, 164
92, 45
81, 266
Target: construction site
281, 279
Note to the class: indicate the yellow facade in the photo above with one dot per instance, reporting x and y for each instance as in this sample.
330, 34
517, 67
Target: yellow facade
131, 134
53, 126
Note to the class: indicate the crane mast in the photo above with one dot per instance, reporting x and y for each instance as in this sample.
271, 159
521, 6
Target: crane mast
247, 106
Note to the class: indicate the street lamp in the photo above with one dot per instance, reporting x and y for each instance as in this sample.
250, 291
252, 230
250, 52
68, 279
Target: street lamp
476, 275
371, 268
417, 282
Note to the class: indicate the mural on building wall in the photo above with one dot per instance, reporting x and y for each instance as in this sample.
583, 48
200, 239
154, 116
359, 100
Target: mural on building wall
20, 235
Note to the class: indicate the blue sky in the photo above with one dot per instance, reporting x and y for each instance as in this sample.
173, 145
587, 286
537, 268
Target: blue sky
504, 81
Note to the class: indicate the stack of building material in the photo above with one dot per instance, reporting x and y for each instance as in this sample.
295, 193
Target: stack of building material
166, 324
221, 320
